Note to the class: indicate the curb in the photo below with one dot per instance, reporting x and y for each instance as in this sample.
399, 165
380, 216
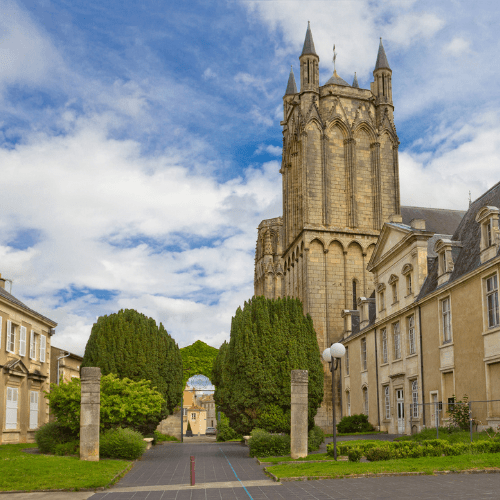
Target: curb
384, 474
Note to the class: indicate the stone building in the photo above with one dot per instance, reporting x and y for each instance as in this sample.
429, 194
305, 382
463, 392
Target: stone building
65, 365
340, 182
431, 329
25, 337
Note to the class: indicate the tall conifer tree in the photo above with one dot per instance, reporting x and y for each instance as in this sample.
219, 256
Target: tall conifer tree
129, 344
251, 373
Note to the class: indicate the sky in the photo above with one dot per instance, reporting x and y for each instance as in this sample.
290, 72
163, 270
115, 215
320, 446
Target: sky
140, 143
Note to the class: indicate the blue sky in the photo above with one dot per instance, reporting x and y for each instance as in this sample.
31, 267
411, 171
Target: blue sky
140, 141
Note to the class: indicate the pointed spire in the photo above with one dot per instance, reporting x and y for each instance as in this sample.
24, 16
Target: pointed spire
291, 88
308, 42
355, 83
382, 61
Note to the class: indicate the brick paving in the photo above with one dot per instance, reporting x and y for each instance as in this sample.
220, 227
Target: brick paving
225, 472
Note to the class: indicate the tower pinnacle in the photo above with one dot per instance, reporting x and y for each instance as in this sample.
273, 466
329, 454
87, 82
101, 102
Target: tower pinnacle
308, 42
382, 61
291, 88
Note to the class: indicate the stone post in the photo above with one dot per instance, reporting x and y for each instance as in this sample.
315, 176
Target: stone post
298, 424
90, 413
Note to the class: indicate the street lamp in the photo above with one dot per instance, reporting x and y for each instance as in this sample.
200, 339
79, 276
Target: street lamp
332, 356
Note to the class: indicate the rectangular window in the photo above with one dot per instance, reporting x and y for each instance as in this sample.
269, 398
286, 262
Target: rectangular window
33, 409
11, 337
348, 401
381, 301
365, 400
387, 403
184, 412
414, 398
492, 300
363, 354
394, 292
22, 341
409, 289
384, 346
347, 360
43, 345
397, 340
193, 416
445, 309
442, 257
32, 345
411, 334
11, 407
489, 239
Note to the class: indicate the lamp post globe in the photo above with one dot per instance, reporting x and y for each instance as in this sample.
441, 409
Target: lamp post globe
337, 350
327, 355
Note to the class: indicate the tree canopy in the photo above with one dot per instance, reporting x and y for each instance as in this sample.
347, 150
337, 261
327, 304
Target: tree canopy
131, 345
251, 373
197, 359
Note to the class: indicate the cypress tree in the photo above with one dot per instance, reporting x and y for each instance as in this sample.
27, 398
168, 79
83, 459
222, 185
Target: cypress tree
129, 344
251, 373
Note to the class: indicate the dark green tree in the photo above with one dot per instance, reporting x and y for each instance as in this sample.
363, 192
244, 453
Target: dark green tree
251, 373
129, 344
197, 359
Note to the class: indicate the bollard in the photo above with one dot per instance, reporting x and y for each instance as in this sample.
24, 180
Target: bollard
192, 471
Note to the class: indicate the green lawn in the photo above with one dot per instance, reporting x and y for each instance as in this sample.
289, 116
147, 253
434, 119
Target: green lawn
316, 456
26, 471
340, 434
426, 465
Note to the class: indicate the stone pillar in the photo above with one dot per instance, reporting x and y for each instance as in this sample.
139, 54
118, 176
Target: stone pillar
90, 413
298, 425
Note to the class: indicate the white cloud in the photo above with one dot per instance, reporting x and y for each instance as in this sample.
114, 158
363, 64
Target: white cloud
457, 47
268, 148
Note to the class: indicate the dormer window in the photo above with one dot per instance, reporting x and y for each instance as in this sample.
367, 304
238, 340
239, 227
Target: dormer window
408, 274
488, 218
446, 251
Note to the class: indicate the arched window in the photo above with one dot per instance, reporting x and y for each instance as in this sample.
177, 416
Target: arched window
354, 296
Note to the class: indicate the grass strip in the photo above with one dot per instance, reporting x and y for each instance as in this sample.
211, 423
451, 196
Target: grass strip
276, 460
356, 433
425, 465
21, 471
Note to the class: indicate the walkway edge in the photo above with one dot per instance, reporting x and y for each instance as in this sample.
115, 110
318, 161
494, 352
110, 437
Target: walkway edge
384, 474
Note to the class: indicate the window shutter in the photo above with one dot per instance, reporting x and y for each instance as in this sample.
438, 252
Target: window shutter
11, 413
32, 345
33, 409
9, 335
43, 341
22, 341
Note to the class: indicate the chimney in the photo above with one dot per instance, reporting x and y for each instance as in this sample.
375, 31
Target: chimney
418, 224
2, 282
396, 218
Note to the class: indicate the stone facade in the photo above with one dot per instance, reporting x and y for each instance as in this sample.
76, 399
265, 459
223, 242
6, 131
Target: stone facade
340, 181
434, 331
25, 360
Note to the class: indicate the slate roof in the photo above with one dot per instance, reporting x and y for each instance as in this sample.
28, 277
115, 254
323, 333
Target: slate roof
291, 88
382, 61
6, 295
467, 258
308, 43
335, 79
437, 220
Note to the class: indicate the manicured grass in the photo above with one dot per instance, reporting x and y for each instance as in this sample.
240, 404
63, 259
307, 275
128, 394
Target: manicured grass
355, 433
25, 471
425, 465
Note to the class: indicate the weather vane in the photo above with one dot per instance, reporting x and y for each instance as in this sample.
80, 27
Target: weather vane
334, 57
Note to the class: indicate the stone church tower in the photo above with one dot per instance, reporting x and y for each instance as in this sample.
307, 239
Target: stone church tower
340, 181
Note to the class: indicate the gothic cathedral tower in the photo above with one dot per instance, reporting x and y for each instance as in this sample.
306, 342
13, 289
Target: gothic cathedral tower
340, 184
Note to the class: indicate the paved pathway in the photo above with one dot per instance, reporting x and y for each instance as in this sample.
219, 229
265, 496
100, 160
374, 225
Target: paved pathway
225, 472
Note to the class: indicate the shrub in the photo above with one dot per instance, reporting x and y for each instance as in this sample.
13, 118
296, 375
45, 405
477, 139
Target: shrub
459, 414
315, 438
121, 443
124, 403
161, 438
51, 435
355, 423
377, 454
354, 455
70, 448
224, 430
264, 444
